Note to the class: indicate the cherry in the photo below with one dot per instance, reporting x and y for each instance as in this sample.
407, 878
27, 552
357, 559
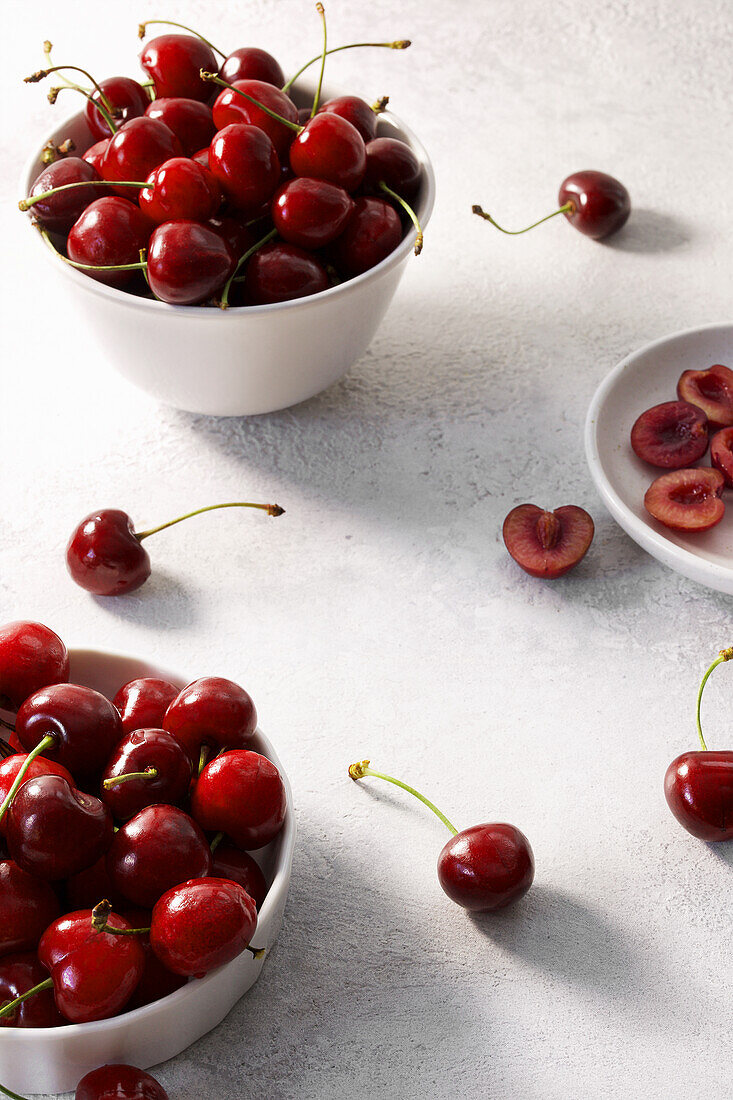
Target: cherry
721, 454
234, 231
124, 99
77, 726
107, 240
187, 262
148, 766
244, 162
481, 868
138, 148
156, 981
181, 189
596, 204
95, 155
241, 794
18, 974
84, 889
249, 63
687, 500
10, 767
547, 544
281, 273
54, 830
234, 105
698, 786
119, 1082
372, 233
158, 848
311, 213
60, 210
104, 554
202, 924
142, 702
189, 119
27, 907
31, 657
393, 163
174, 62
712, 391
330, 148
202, 157
356, 111
671, 435
230, 862
211, 714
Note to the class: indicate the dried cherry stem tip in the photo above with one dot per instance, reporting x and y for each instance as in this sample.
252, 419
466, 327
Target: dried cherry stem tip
362, 769
10, 1007
100, 916
568, 208
400, 44
271, 509
45, 743
257, 952
317, 96
148, 773
380, 105
724, 655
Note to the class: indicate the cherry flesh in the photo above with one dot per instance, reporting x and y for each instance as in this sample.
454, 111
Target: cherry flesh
189, 119
249, 63
229, 108
55, 830
547, 544
202, 924
10, 767
282, 272
372, 233
59, 211
687, 500
138, 148
142, 702
721, 454
158, 848
174, 61
246, 166
124, 99
311, 213
109, 233
163, 767
330, 148
19, 973
27, 907
181, 189
671, 435
230, 862
211, 714
119, 1082
356, 111
187, 262
486, 867
242, 795
31, 657
392, 162
104, 555
84, 725
712, 391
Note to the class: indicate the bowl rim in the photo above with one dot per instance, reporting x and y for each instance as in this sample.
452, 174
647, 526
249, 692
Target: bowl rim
279, 885
349, 286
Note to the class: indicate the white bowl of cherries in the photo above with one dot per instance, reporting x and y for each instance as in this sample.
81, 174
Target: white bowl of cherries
188, 915
197, 191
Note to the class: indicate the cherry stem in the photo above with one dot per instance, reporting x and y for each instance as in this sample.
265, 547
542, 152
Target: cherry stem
10, 1007
568, 208
204, 754
256, 952
271, 509
104, 112
52, 152
406, 206
142, 30
26, 204
47, 47
359, 770
34, 78
724, 655
9, 1092
214, 78
90, 267
401, 44
100, 915
148, 773
317, 96
45, 743
216, 841
224, 303
381, 105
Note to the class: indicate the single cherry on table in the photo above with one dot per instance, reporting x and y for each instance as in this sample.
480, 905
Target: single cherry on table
119, 1082
547, 544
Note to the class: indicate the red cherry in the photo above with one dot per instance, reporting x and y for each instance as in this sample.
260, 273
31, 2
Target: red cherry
229, 108
187, 262
230, 862
372, 233
712, 391
211, 713
282, 272
59, 211
330, 148
10, 767
721, 454
95, 155
244, 161
174, 62
84, 725
31, 657
241, 794
162, 767
202, 924
124, 99
181, 189
18, 974
249, 63
486, 867
687, 500
158, 848
600, 203
138, 148
547, 544
698, 787
27, 907
142, 703
119, 1082
392, 162
671, 435
110, 232
311, 213
105, 556
86, 888
189, 119
356, 111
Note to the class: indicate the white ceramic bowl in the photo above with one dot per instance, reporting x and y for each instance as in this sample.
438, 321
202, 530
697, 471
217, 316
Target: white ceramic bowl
34, 1060
245, 360
645, 378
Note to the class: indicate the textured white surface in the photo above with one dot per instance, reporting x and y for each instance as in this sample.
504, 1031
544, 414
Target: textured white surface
381, 616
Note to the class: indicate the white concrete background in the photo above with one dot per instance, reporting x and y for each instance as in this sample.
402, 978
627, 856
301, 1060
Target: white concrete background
382, 616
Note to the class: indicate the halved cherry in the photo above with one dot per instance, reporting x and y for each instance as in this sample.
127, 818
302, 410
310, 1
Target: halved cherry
671, 435
712, 391
721, 454
547, 544
687, 500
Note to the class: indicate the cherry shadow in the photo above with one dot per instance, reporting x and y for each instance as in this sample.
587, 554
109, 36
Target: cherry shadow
164, 602
652, 232
723, 851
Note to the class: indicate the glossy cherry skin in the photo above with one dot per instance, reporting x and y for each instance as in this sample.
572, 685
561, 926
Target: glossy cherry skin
146, 748
698, 787
281, 272
241, 794
156, 981
372, 233
94, 973
95, 155
230, 862
126, 97
211, 712
137, 149
31, 657
111, 231
202, 924
249, 63
174, 62
58, 212
187, 262
356, 111
330, 148
232, 108
235, 232
244, 161
142, 703
601, 203
486, 867
90, 886
119, 1082
55, 830
158, 848
104, 556
392, 162
18, 974
27, 907
311, 213
84, 724
181, 189
189, 119
10, 767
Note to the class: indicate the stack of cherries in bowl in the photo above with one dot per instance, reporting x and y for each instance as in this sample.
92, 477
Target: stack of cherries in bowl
208, 184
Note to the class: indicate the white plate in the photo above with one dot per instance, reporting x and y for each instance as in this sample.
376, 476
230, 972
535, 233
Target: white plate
644, 378
54, 1059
